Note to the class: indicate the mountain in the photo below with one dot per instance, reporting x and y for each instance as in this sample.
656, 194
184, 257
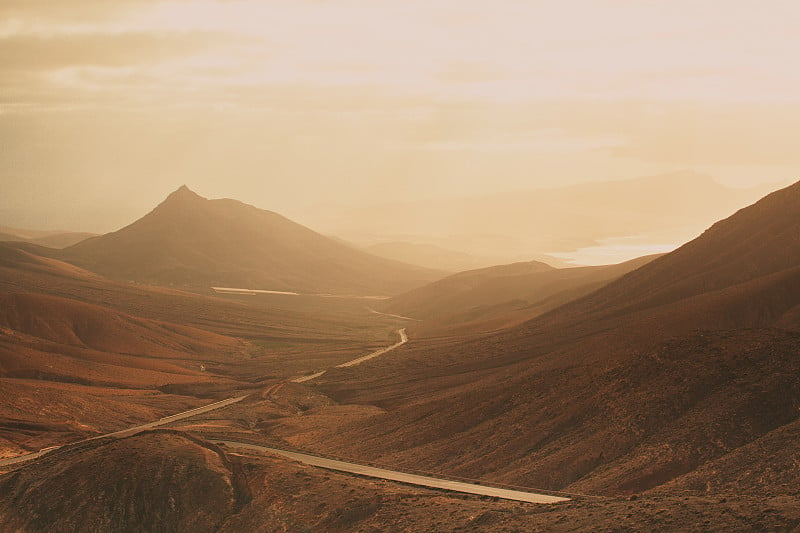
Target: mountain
497, 296
82, 355
757, 241
669, 371
514, 226
439, 258
191, 241
52, 239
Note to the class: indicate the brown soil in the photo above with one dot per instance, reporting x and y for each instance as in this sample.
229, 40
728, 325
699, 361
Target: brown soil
162, 481
499, 297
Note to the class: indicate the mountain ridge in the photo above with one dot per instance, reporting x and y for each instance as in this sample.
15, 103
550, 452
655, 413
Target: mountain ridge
636, 384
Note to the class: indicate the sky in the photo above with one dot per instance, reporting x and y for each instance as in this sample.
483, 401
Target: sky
106, 107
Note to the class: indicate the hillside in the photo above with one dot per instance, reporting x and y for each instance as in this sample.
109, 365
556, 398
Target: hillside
501, 295
667, 370
73, 323
194, 242
443, 259
169, 481
757, 241
81, 354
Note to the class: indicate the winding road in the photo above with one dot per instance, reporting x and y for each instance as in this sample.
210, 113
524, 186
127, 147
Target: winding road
358, 361
322, 462
131, 431
200, 410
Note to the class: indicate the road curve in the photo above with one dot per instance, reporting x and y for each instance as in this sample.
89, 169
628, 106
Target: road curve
402, 477
354, 362
130, 431
200, 410
358, 361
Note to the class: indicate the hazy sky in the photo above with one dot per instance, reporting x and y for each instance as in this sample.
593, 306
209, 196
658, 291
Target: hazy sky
105, 107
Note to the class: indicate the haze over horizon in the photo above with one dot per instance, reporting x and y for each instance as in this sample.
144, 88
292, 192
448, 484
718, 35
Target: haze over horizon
373, 265
307, 106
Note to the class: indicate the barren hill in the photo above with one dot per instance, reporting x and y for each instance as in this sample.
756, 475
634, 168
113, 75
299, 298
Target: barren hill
82, 355
497, 296
73, 323
757, 241
191, 241
667, 370
167, 481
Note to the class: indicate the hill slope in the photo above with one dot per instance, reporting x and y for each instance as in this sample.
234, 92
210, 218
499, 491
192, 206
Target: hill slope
191, 241
150, 482
669, 369
759, 240
498, 295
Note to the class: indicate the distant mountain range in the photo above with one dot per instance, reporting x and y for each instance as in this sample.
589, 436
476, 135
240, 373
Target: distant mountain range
194, 242
52, 239
439, 258
526, 224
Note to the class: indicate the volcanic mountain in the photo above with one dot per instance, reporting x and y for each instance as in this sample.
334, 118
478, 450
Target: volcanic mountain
667, 371
194, 242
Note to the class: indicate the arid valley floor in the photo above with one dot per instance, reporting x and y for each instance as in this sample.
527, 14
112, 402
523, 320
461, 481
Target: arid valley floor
658, 394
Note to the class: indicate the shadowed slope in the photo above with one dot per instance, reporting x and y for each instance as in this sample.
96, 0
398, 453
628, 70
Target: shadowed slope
80, 324
758, 240
669, 368
159, 481
191, 241
489, 297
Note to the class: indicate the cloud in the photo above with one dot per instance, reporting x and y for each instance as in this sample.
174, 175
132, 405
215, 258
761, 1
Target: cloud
31, 52
92, 68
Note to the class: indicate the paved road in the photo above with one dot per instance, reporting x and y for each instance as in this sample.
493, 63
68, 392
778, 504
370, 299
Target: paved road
354, 362
303, 379
205, 409
131, 431
402, 477
233, 290
321, 462
358, 361
401, 317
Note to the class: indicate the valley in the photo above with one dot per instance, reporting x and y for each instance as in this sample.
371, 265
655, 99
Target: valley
352, 266
660, 391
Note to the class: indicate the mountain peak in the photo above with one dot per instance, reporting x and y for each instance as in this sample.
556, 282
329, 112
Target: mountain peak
184, 191
182, 194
